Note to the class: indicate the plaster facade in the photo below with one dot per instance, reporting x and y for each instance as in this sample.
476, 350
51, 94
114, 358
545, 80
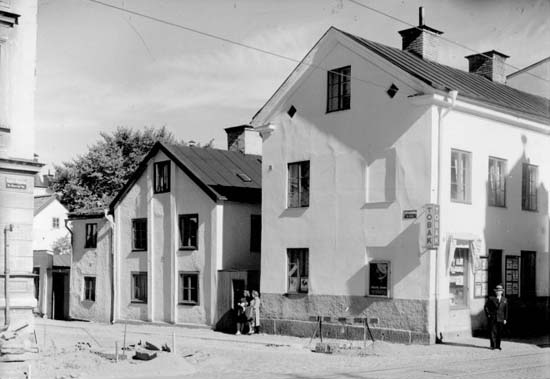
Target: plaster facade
368, 166
94, 262
45, 230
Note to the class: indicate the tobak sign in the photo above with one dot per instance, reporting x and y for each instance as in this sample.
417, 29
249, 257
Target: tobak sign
431, 227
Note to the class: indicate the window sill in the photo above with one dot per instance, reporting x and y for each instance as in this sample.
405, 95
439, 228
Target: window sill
137, 250
156, 193
465, 202
188, 248
337, 110
188, 303
296, 295
138, 302
88, 301
530, 210
497, 206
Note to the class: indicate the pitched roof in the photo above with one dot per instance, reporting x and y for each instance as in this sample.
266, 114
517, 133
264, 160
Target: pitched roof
97, 212
222, 174
469, 85
41, 202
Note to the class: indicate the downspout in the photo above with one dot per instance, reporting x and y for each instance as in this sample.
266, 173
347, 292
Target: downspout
7, 228
452, 94
111, 221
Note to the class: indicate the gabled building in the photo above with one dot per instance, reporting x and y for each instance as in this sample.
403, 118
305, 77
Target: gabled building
401, 191
534, 78
182, 237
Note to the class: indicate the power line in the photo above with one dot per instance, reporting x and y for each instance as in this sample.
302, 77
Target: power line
439, 36
224, 39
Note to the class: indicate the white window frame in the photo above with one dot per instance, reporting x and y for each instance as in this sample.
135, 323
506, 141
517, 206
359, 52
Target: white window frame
496, 196
463, 181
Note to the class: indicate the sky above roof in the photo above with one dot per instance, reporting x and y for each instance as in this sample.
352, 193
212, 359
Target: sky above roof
99, 68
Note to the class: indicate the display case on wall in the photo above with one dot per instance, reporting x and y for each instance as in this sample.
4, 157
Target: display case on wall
512, 276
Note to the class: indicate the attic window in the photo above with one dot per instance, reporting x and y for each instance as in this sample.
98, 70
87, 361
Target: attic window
392, 90
244, 177
292, 111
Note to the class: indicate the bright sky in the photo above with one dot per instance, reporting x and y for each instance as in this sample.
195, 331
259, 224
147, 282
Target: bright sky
99, 68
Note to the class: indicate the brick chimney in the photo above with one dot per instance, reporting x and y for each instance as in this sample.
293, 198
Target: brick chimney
421, 40
245, 139
489, 64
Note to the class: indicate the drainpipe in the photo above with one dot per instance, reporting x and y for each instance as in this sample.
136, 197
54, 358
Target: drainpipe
111, 221
7, 228
452, 95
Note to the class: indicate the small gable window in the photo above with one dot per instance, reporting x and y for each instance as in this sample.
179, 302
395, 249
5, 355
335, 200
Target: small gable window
162, 177
339, 89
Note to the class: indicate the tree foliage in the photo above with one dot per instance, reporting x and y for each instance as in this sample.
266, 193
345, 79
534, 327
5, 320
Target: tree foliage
92, 180
62, 245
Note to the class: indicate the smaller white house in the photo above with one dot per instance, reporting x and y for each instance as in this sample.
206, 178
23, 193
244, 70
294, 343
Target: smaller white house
48, 231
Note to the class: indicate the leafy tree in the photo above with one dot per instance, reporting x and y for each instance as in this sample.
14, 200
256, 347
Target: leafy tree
62, 245
92, 180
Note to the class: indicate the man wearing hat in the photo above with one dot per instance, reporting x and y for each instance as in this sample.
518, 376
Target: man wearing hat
496, 310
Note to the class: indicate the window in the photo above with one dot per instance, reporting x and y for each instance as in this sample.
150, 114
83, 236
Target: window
255, 233
139, 234
298, 184
512, 276
298, 270
162, 177
528, 274
139, 287
379, 278
91, 235
529, 187
460, 176
189, 288
458, 278
188, 231
89, 288
497, 182
55, 222
339, 89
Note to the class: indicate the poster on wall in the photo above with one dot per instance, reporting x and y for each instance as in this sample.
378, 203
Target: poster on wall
379, 273
480, 278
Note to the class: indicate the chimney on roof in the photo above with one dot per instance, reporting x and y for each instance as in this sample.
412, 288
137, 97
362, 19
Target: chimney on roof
245, 139
421, 40
489, 64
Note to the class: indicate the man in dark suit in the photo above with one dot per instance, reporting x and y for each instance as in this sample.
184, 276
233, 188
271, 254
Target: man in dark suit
496, 310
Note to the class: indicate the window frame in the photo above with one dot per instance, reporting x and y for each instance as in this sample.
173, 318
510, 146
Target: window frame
531, 185
143, 239
194, 234
255, 233
301, 253
493, 198
465, 177
299, 182
55, 222
159, 168
337, 79
135, 275
182, 288
89, 290
388, 279
90, 241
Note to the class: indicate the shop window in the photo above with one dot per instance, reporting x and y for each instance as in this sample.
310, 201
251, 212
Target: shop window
528, 274
298, 270
139, 234
188, 225
89, 288
460, 176
189, 288
458, 278
162, 177
339, 89
496, 186
91, 236
512, 276
379, 278
139, 287
298, 184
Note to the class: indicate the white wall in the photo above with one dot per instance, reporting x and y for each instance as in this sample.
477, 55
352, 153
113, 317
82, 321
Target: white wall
367, 165
44, 234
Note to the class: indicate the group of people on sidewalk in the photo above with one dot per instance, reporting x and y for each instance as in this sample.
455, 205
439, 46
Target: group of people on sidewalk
248, 313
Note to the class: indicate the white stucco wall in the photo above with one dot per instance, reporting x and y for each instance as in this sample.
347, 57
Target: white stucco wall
95, 262
44, 234
367, 165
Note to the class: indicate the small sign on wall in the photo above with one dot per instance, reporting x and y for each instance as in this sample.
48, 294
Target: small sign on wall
409, 214
16, 184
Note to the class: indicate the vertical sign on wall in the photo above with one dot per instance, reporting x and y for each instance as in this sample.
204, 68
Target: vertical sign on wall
431, 226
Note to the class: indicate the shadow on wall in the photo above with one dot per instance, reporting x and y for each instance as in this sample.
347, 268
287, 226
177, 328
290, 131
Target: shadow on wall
407, 238
528, 315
